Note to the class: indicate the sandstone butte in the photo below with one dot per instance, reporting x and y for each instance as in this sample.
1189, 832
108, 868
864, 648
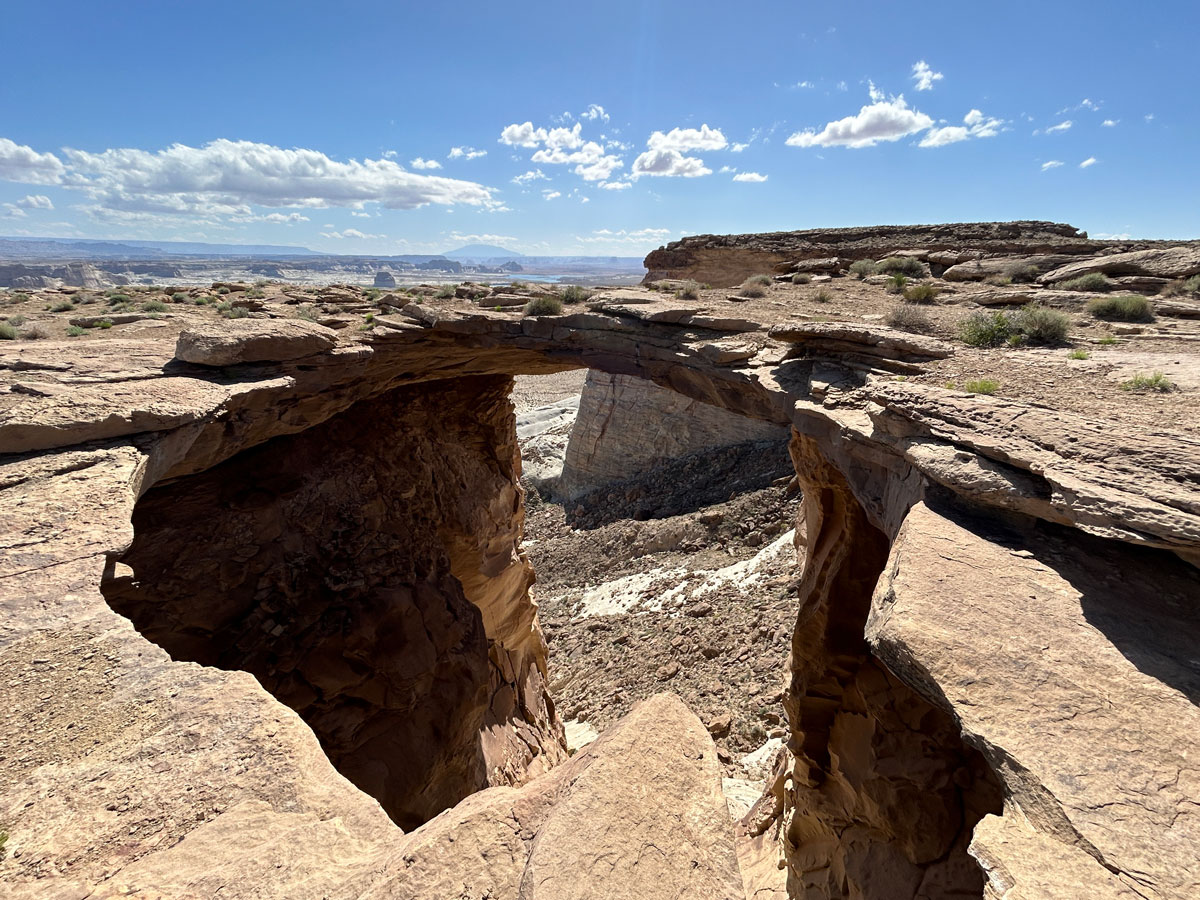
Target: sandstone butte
268, 631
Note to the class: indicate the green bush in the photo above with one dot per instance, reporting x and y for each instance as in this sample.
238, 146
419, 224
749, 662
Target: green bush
920, 293
1140, 384
445, 292
689, 290
822, 296
117, 299
307, 311
1107, 341
154, 306
897, 283
985, 329
862, 268
75, 331
764, 280
104, 323
983, 386
1124, 308
1078, 354
61, 306
801, 278
222, 290
908, 318
1093, 282
7, 332
576, 294
902, 265
16, 321
235, 312
544, 306
1032, 323
1040, 325
256, 294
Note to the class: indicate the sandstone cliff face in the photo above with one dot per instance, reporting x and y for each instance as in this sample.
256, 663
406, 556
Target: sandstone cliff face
368, 572
965, 682
628, 425
727, 260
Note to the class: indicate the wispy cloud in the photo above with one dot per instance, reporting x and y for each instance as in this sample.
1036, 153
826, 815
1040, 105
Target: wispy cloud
1064, 125
975, 125
35, 201
1051, 164
1088, 163
465, 153
924, 77
749, 176
1110, 123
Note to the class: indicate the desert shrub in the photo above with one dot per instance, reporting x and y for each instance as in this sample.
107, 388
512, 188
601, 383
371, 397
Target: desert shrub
61, 306
998, 280
985, 329
518, 285
544, 306
861, 268
202, 301
37, 332
1125, 308
1182, 286
104, 323
908, 318
222, 290
1107, 341
75, 331
920, 293
307, 311
256, 294
235, 312
7, 332
897, 283
1141, 384
752, 288
902, 265
16, 321
1078, 354
822, 296
689, 290
1093, 281
983, 386
1041, 325
117, 299
801, 278
1021, 273
154, 306
576, 294
445, 292
764, 280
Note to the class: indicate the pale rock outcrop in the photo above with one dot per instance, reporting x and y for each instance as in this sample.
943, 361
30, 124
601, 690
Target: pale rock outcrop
254, 340
1169, 262
627, 426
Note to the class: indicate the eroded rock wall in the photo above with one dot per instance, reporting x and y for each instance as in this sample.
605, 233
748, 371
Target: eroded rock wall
626, 426
367, 571
877, 796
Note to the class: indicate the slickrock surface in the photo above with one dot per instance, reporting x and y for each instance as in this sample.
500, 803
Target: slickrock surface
991, 684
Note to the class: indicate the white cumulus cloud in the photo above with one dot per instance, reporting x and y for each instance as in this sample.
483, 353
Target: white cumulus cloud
924, 77
420, 163
975, 125
882, 120
531, 175
688, 139
1110, 123
551, 195
749, 176
669, 163
1090, 161
614, 185
225, 177
465, 153
594, 111
26, 166
35, 201
522, 135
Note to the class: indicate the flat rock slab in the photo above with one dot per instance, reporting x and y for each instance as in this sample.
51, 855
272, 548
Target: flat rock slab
251, 341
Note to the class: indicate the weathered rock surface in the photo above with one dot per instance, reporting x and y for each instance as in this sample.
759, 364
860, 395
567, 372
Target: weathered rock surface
254, 340
627, 426
1025, 698
1169, 262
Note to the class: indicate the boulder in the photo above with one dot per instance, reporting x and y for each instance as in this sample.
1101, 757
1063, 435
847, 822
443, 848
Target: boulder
1169, 262
253, 340
385, 279
979, 269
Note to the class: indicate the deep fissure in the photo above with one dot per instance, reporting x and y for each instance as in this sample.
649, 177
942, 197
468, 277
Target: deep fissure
368, 572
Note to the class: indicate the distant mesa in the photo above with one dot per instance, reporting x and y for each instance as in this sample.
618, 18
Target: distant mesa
385, 279
480, 252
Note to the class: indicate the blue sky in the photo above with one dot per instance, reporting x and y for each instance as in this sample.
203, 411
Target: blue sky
591, 129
